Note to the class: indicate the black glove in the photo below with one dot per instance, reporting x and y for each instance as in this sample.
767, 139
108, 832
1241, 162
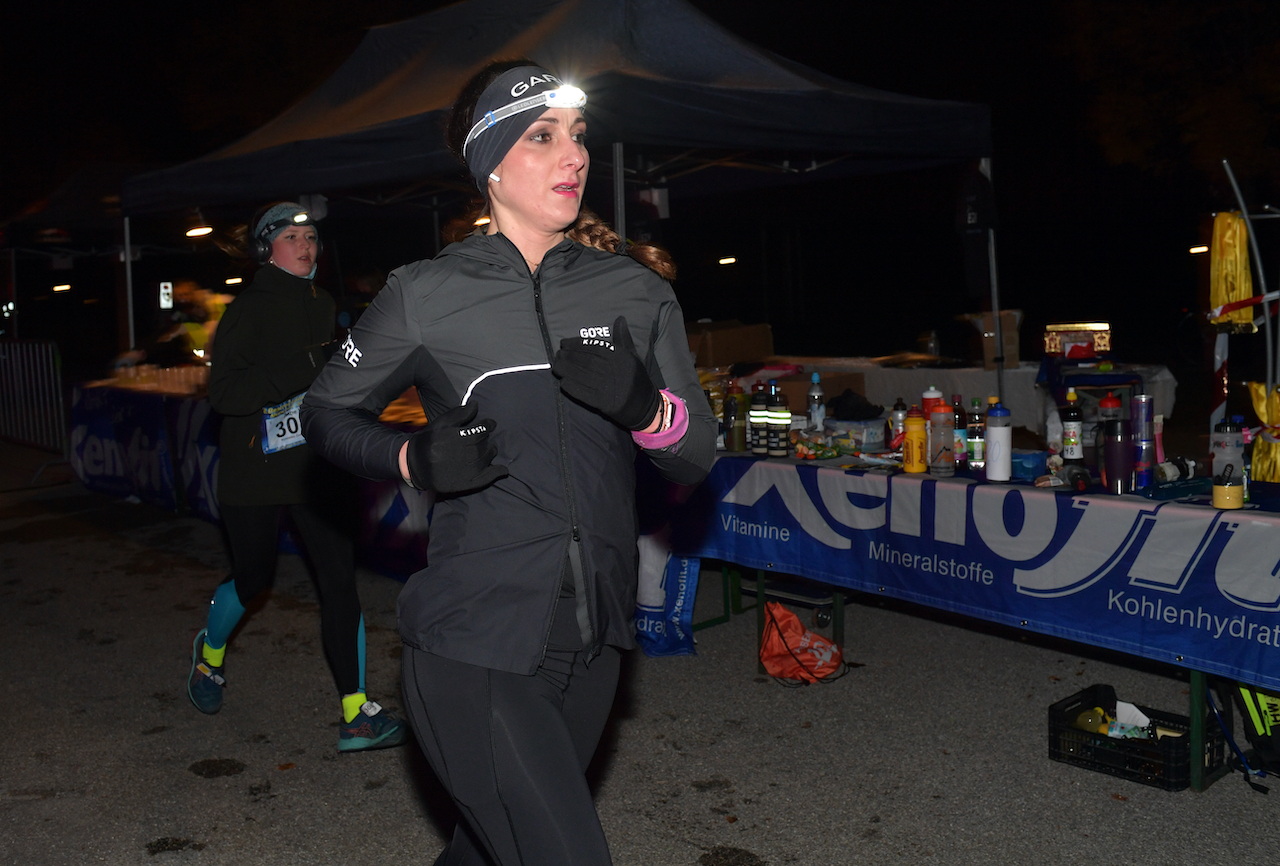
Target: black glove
608, 377
330, 349
452, 454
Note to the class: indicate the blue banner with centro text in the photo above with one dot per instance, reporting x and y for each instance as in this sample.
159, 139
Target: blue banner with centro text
1180, 583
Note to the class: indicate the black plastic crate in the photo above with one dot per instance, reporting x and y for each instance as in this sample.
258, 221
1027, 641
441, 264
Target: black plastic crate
1163, 763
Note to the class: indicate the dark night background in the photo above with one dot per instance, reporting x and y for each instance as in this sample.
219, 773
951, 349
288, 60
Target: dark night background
1109, 125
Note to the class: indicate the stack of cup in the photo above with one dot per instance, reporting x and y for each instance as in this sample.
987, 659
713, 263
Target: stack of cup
1118, 449
1143, 429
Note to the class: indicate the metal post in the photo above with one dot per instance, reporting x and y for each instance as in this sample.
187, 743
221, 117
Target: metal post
13, 289
984, 166
128, 282
619, 194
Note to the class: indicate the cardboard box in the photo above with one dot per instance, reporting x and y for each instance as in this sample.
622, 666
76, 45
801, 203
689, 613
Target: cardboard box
1077, 339
728, 342
833, 384
1009, 322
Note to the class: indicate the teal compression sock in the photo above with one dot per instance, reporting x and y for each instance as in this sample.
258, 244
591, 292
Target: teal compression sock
360, 650
225, 611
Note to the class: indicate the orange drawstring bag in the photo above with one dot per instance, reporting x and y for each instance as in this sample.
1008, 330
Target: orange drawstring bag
795, 656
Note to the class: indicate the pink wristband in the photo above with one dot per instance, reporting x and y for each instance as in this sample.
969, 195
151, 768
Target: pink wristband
673, 434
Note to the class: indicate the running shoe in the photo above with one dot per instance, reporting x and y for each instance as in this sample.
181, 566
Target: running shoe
204, 683
371, 729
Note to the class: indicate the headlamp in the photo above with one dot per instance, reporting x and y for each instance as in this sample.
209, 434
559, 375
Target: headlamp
564, 96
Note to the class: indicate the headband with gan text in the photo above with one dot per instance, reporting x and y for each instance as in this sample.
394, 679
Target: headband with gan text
513, 92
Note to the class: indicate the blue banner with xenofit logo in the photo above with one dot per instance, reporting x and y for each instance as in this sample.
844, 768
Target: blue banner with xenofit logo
120, 444
1180, 583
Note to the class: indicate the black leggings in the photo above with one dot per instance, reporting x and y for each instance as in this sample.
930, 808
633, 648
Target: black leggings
253, 533
513, 750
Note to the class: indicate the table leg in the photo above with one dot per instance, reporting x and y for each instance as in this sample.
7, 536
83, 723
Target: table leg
735, 578
760, 608
837, 617
1202, 725
1199, 707
725, 597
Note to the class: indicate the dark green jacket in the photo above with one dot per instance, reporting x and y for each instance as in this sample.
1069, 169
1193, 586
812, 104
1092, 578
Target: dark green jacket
267, 349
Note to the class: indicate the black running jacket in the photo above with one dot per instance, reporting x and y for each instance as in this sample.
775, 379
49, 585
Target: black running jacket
474, 326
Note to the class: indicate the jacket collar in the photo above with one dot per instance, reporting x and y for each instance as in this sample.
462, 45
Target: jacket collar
498, 249
277, 279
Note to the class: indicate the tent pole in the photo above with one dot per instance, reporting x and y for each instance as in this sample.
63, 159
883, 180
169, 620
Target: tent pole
13, 288
1272, 366
985, 167
128, 282
619, 195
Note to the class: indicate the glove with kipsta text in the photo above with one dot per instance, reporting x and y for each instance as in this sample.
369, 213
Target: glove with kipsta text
608, 377
453, 454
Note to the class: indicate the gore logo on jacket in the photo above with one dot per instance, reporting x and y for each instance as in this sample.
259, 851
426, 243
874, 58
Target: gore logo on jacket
597, 331
350, 352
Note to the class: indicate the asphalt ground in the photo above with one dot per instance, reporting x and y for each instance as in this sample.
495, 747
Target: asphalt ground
933, 751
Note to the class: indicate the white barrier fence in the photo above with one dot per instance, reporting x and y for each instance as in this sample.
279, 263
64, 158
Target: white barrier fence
31, 404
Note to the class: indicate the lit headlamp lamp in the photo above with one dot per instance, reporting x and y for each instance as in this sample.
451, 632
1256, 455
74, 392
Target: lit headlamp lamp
564, 96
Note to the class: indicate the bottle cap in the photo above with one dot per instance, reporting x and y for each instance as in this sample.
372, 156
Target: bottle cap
914, 412
1071, 395
993, 400
1111, 401
815, 378
998, 410
957, 398
734, 388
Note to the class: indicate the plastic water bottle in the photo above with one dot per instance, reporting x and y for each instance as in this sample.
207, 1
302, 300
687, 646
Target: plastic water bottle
1226, 444
930, 398
758, 420
960, 429
915, 455
778, 440
942, 422
816, 403
977, 435
999, 444
897, 425
1247, 436
735, 419
1109, 409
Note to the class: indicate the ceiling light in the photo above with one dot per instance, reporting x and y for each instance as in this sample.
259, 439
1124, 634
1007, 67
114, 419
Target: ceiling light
728, 260
1200, 249
197, 225
65, 287
234, 281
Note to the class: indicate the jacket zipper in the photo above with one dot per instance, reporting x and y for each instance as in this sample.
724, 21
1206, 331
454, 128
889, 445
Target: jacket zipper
582, 598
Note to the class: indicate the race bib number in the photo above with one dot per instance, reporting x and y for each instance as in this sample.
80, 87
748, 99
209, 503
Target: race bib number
281, 428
